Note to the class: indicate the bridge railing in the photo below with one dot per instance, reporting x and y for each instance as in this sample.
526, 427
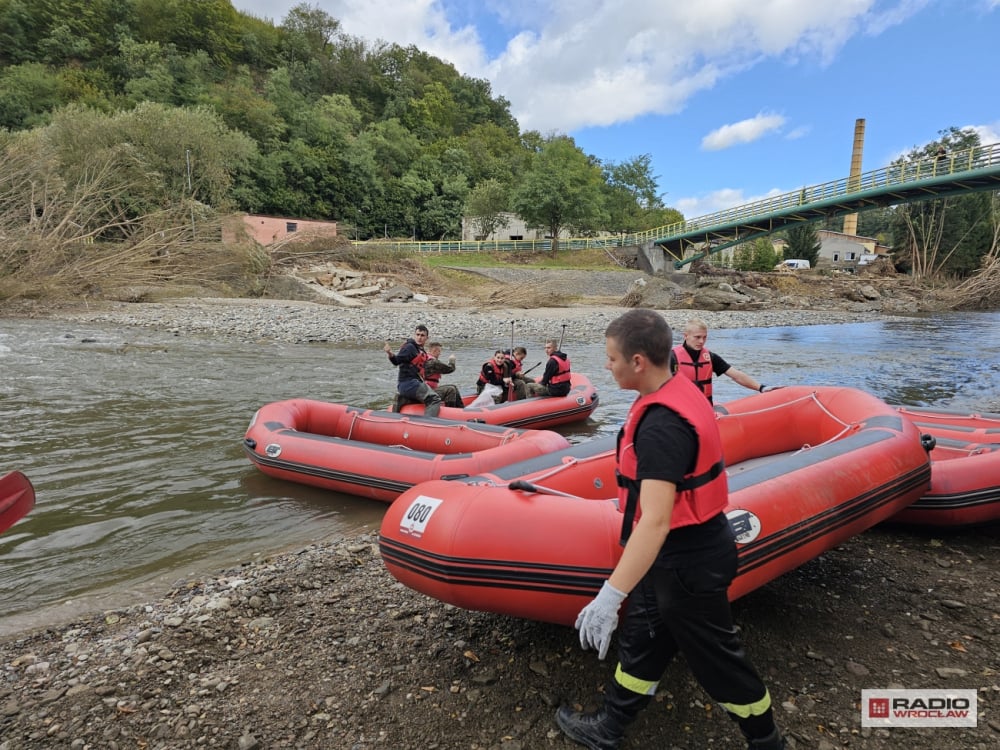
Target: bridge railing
898, 173
894, 174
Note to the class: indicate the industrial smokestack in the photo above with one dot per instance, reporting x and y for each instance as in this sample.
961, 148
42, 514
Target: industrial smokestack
854, 181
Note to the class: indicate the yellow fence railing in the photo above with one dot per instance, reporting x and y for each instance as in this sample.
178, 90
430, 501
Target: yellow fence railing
882, 179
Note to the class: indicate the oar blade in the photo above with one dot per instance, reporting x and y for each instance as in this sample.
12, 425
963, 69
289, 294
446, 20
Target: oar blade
17, 497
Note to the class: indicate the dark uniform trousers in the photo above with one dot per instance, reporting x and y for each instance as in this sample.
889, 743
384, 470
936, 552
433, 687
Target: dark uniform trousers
686, 610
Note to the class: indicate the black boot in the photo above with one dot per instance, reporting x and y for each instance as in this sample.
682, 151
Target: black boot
598, 731
604, 729
773, 741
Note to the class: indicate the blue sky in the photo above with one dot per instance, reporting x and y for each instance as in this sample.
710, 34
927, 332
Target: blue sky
734, 100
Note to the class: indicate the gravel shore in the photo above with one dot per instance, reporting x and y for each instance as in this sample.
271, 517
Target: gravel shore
296, 321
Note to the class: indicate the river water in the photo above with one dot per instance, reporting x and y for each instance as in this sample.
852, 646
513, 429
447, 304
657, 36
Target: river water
132, 439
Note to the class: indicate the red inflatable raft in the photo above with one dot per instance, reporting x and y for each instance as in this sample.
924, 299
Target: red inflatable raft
809, 468
379, 454
17, 497
536, 412
965, 469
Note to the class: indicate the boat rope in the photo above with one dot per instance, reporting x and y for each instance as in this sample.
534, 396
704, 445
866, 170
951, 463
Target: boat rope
568, 463
929, 417
847, 426
786, 404
350, 430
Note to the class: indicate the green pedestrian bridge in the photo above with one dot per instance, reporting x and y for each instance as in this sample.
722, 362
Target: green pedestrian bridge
940, 176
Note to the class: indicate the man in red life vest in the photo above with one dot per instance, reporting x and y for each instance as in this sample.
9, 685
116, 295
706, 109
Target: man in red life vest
410, 360
555, 381
515, 369
434, 368
698, 364
679, 556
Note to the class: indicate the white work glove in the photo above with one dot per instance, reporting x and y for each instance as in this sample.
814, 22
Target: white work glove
598, 620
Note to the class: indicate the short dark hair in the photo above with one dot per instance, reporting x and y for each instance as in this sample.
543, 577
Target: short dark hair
421, 328
642, 331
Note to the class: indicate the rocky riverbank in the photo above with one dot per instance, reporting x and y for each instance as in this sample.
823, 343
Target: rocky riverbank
320, 648
301, 321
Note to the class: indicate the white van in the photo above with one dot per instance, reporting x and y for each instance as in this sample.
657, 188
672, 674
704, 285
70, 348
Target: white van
794, 265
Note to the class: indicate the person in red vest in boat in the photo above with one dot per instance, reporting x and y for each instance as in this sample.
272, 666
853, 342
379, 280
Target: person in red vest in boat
434, 368
555, 380
410, 359
515, 368
691, 359
495, 372
679, 557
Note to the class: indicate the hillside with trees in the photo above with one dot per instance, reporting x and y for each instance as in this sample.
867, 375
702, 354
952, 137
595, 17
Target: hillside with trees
386, 140
130, 128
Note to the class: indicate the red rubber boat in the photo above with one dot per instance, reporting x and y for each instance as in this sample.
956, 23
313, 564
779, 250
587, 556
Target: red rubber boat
379, 454
537, 412
965, 469
17, 497
808, 468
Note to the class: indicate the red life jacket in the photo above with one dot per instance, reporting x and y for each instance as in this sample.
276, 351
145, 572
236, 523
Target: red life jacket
433, 379
699, 372
419, 361
514, 363
563, 373
491, 372
704, 492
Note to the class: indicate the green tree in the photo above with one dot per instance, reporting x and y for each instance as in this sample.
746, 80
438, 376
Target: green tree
28, 93
803, 243
562, 188
210, 26
943, 236
487, 208
633, 200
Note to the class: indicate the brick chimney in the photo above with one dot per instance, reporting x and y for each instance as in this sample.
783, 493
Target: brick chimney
854, 181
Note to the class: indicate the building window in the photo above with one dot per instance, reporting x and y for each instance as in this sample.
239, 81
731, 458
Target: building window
517, 236
836, 257
851, 256
291, 226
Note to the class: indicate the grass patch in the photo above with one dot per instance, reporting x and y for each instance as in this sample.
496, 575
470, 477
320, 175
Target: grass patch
590, 259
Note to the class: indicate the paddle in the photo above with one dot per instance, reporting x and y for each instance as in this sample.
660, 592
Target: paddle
526, 486
510, 385
531, 368
17, 497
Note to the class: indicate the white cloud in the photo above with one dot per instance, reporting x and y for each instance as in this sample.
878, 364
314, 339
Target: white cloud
744, 131
718, 200
598, 62
989, 133
569, 64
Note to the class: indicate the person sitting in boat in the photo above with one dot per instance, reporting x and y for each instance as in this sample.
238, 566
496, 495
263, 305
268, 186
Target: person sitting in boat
410, 359
494, 372
434, 368
514, 361
555, 380
691, 359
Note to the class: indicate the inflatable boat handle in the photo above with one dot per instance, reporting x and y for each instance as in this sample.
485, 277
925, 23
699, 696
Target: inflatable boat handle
928, 442
526, 486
